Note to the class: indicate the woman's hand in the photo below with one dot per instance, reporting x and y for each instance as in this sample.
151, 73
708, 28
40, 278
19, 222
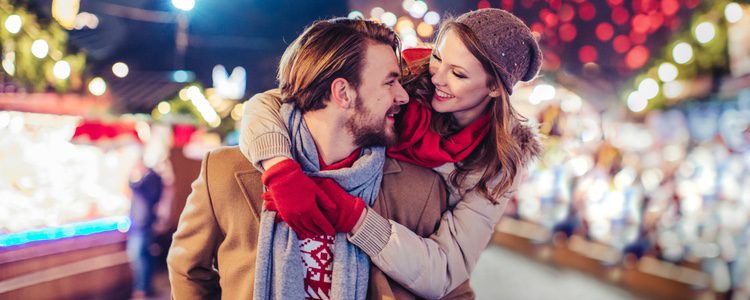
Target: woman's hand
298, 200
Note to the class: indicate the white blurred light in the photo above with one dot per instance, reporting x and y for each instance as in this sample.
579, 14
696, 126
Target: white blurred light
418, 9
637, 102
97, 86
432, 18
625, 178
9, 64
673, 153
733, 12
39, 48
705, 32
651, 179
61, 69
355, 14
649, 88
571, 104
542, 92
120, 69
13, 24
85, 19
409, 41
668, 72
164, 108
673, 89
407, 4
682, 53
184, 5
377, 12
389, 19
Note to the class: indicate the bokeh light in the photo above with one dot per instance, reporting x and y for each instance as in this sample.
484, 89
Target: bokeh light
61, 70
13, 24
682, 53
667, 72
40, 48
120, 69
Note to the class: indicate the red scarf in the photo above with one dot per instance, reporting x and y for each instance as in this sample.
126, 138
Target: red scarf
419, 145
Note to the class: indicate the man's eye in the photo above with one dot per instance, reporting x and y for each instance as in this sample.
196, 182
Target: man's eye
436, 57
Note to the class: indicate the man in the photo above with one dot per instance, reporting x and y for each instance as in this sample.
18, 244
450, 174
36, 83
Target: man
339, 116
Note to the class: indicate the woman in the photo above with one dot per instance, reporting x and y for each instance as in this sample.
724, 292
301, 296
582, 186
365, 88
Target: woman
462, 125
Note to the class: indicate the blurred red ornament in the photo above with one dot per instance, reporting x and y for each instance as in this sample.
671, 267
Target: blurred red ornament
641, 23
620, 15
551, 61
567, 32
555, 4
692, 3
587, 11
656, 20
587, 54
637, 57
644, 6
614, 2
670, 7
566, 13
637, 38
537, 27
550, 19
508, 5
527, 4
604, 31
621, 44
484, 4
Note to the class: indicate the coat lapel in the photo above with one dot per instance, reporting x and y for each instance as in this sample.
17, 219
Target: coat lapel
252, 189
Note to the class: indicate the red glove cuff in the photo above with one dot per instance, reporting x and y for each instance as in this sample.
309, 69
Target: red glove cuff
281, 171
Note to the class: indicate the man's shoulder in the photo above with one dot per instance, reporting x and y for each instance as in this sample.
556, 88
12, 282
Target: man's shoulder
228, 159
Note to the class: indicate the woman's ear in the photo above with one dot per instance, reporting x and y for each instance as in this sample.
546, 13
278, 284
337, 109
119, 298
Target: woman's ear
494, 93
341, 93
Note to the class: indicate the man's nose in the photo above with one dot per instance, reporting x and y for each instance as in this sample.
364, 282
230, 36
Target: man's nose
402, 97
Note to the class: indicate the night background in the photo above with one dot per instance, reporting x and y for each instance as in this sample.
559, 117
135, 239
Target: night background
643, 190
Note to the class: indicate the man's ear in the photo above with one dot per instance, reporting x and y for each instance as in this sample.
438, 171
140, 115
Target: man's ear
342, 94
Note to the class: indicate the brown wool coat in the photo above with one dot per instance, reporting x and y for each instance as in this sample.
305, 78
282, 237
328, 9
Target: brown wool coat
213, 250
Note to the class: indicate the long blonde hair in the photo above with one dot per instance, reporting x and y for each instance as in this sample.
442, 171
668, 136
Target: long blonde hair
499, 152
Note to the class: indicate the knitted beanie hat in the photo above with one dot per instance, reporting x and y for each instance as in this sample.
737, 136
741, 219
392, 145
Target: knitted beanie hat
512, 49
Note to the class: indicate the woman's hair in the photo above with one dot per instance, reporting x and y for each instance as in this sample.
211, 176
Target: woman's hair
327, 50
499, 152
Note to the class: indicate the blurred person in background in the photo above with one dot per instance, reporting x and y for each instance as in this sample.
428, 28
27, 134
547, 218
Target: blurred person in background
151, 185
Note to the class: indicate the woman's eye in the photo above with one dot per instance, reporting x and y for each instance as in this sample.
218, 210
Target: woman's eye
459, 75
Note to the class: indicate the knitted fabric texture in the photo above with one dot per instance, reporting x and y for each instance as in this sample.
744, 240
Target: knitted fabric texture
512, 48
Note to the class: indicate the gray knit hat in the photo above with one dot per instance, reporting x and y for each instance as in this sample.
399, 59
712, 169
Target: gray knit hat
511, 47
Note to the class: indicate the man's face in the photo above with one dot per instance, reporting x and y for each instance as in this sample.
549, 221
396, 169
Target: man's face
378, 98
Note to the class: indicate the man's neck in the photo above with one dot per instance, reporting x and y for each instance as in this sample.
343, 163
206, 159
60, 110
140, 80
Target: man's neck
334, 142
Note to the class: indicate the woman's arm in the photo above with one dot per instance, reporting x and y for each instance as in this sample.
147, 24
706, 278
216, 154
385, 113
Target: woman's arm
438, 264
264, 139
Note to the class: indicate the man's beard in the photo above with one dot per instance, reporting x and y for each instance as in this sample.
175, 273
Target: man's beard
366, 132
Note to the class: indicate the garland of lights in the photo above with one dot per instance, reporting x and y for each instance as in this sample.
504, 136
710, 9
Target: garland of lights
699, 50
35, 55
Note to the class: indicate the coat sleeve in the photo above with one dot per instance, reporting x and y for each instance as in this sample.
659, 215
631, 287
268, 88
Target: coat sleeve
438, 264
191, 257
263, 133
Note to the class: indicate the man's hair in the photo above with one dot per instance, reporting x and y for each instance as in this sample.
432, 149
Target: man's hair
327, 50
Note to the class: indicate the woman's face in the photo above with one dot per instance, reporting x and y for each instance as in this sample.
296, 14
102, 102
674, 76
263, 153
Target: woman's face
460, 80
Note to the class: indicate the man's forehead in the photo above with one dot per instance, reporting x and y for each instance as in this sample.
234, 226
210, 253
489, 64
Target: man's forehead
381, 60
